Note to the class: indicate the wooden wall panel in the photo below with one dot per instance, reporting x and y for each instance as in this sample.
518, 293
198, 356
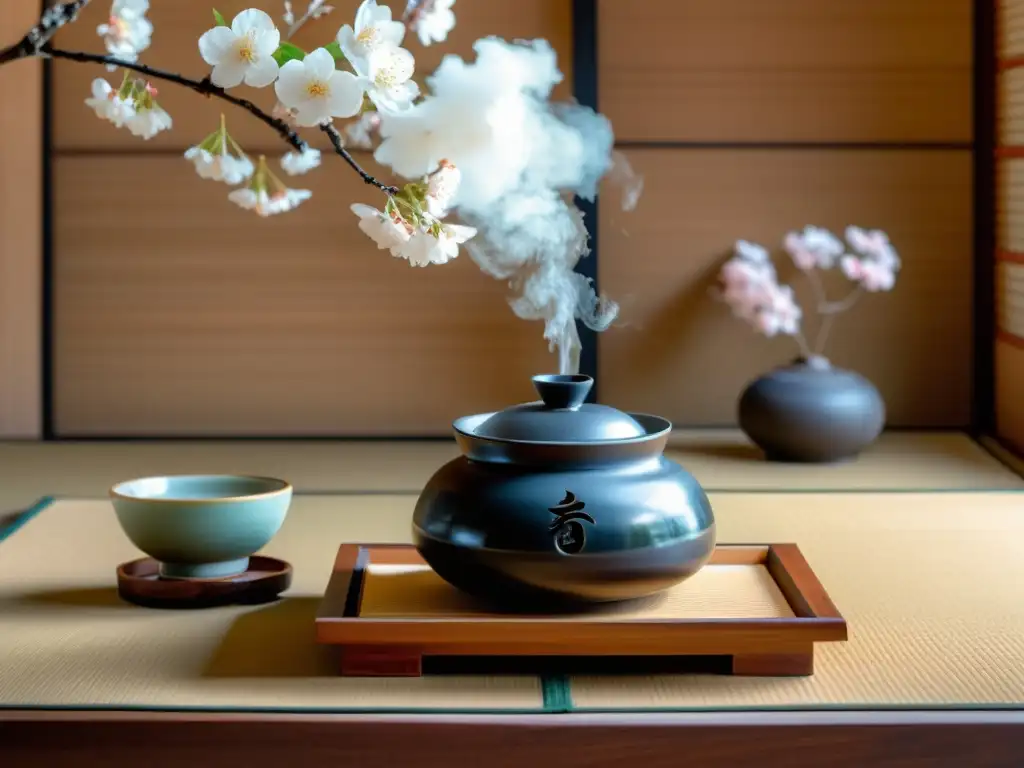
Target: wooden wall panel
179, 23
21, 230
787, 70
180, 314
681, 354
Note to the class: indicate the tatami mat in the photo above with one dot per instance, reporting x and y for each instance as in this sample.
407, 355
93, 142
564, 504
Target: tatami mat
929, 583
932, 587
67, 639
720, 459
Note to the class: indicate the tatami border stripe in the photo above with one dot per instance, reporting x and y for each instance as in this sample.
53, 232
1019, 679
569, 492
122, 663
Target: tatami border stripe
25, 517
557, 690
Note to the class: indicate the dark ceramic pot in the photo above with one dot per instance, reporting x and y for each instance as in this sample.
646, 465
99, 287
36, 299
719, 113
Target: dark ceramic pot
810, 412
560, 503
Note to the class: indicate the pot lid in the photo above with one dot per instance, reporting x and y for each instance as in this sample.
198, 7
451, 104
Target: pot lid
561, 416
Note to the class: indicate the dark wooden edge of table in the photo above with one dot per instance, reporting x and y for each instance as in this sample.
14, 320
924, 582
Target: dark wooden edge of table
837, 739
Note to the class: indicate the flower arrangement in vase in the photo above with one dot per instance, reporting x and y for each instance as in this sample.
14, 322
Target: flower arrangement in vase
809, 410
479, 142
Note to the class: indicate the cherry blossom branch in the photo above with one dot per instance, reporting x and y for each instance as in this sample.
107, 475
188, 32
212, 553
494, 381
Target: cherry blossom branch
338, 143
835, 307
37, 43
204, 87
315, 10
207, 88
39, 36
821, 298
827, 310
801, 341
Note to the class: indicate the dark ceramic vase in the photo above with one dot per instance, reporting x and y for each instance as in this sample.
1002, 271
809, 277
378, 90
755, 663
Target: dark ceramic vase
809, 411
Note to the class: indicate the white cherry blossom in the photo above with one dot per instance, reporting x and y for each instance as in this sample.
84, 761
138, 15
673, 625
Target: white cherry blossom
220, 165
295, 164
266, 194
108, 104
442, 187
424, 248
127, 32
316, 91
147, 122
388, 79
219, 158
388, 232
374, 29
433, 20
360, 132
265, 203
243, 52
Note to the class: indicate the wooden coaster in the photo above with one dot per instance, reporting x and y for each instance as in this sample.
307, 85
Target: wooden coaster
139, 582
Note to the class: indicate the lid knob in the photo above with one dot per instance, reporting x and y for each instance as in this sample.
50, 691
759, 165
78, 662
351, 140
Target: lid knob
563, 391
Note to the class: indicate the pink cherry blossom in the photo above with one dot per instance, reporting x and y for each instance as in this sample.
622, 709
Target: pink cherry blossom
877, 277
804, 259
753, 294
815, 247
852, 267
873, 244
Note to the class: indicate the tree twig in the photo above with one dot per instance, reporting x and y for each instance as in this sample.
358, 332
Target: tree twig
339, 147
828, 313
52, 20
204, 86
835, 307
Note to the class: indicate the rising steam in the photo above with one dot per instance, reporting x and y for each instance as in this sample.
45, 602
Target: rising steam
522, 159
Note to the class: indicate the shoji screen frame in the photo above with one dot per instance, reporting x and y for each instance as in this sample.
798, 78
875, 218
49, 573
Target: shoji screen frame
1004, 423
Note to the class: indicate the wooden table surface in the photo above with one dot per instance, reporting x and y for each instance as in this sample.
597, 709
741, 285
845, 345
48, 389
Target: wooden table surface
964, 737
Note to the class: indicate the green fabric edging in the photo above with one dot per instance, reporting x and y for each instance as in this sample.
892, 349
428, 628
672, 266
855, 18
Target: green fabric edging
557, 694
19, 522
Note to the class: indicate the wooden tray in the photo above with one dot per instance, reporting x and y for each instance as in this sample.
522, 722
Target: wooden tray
759, 605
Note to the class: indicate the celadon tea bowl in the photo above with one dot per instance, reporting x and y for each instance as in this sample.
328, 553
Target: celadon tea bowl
562, 503
201, 526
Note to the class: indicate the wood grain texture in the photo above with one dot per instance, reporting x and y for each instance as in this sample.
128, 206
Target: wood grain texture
679, 353
166, 740
787, 70
1009, 401
180, 314
179, 24
21, 231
